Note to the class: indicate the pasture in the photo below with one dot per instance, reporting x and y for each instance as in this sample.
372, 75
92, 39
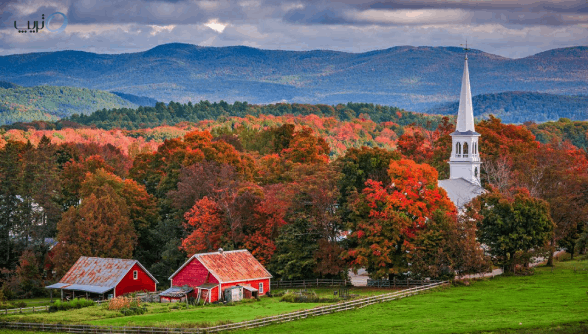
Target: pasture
546, 302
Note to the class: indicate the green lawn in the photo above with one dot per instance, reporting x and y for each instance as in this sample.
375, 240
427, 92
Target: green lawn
541, 303
165, 315
546, 302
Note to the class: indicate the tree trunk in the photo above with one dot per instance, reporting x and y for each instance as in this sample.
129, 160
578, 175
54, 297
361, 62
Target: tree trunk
551, 251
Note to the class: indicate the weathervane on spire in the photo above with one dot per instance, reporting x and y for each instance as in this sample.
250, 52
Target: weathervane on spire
466, 49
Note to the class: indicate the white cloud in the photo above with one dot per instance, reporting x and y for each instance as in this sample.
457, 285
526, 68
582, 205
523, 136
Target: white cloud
216, 26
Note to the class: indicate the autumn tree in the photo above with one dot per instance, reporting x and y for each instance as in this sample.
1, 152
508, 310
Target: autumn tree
446, 247
386, 220
512, 226
99, 227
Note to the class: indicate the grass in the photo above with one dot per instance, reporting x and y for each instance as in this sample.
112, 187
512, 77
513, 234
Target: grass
546, 302
177, 315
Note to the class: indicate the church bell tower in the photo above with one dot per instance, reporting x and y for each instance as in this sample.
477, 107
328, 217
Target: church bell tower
465, 159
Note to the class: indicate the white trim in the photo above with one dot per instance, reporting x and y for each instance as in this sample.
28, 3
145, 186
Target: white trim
182, 267
247, 280
131, 267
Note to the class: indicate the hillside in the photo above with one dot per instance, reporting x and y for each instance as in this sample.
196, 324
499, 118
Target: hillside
520, 107
413, 78
50, 103
173, 113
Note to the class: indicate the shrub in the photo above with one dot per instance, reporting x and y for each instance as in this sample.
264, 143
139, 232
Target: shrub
133, 310
76, 303
305, 297
120, 303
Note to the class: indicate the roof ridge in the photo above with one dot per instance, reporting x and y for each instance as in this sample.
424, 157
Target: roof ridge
217, 252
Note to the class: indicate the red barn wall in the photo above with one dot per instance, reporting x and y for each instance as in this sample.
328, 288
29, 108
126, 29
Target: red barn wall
193, 274
214, 294
128, 284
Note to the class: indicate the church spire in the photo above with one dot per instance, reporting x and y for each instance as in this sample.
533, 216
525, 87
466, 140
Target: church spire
465, 114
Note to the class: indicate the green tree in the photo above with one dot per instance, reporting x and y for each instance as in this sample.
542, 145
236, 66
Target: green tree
512, 226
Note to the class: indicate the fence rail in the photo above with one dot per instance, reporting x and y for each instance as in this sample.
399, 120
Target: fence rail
31, 309
384, 283
317, 311
309, 283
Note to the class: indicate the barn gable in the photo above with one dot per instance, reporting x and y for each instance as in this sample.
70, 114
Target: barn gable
99, 275
228, 266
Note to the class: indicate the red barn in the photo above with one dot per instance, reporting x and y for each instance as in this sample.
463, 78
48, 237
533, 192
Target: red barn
95, 277
211, 273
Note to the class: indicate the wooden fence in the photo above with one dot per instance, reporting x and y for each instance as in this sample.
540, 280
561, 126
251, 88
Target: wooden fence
152, 297
309, 283
32, 309
317, 311
384, 283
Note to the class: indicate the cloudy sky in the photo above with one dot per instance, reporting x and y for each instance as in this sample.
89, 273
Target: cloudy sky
510, 28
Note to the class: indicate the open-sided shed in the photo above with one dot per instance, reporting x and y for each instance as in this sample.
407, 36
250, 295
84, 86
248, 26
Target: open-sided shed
95, 277
211, 273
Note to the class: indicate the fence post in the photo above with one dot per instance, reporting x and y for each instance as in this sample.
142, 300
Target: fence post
317, 282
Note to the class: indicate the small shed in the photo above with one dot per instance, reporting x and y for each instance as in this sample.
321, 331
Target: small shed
234, 293
210, 274
97, 278
175, 294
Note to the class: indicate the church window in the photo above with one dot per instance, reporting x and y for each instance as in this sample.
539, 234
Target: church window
458, 149
475, 150
476, 172
465, 150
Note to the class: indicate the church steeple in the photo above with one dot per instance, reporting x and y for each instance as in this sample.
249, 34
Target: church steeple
465, 114
465, 158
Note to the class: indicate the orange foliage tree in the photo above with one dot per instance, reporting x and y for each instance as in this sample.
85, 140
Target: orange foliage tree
386, 221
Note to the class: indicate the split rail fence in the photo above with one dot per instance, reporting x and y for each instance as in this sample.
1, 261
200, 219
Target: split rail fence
385, 283
309, 283
317, 311
144, 296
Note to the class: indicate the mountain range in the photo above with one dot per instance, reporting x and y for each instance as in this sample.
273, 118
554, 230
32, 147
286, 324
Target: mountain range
413, 78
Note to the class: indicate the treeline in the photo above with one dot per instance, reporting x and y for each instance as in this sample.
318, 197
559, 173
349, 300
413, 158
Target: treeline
564, 129
520, 107
174, 113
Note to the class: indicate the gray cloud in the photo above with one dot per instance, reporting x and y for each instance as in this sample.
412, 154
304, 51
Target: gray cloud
505, 27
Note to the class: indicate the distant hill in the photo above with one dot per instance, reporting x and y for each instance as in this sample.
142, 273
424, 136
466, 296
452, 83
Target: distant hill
138, 100
413, 78
520, 107
50, 103
4, 84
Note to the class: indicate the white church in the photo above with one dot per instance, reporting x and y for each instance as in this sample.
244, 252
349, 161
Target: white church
464, 184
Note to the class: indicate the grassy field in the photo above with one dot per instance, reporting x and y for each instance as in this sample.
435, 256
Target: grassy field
546, 302
177, 315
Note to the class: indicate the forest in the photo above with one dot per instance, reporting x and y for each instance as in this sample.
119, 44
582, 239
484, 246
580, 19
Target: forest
310, 195
51, 103
521, 107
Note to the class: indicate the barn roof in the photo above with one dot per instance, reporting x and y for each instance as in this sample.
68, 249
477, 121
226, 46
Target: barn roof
96, 274
230, 266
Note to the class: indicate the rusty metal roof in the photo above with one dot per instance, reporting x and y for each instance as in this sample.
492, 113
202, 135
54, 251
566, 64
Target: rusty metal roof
230, 266
99, 272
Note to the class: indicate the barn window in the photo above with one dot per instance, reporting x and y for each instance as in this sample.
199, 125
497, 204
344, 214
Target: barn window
260, 288
135, 274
